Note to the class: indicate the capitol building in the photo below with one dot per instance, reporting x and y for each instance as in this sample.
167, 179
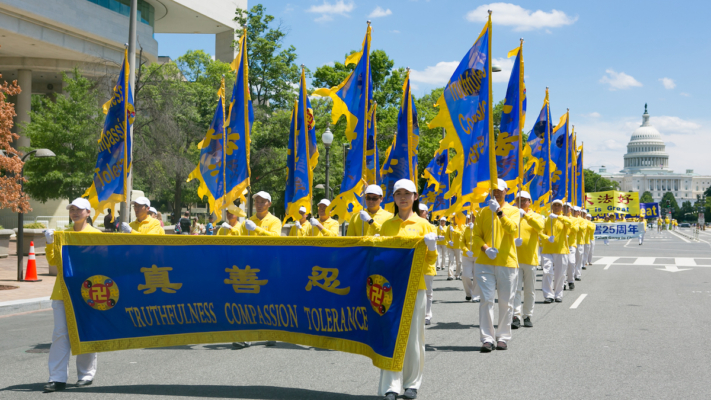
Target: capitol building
647, 168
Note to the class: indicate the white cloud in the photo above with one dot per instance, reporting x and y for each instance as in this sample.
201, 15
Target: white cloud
619, 80
379, 12
395, 31
669, 125
668, 83
684, 94
508, 14
328, 10
506, 65
593, 114
435, 75
612, 144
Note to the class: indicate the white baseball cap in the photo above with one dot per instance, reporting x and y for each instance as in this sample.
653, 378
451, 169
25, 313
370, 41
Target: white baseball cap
153, 210
524, 195
405, 184
142, 201
576, 208
502, 185
568, 204
302, 209
327, 202
442, 218
80, 203
374, 189
423, 207
264, 195
557, 202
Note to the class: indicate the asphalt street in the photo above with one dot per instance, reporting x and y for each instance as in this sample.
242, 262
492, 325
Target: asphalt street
640, 332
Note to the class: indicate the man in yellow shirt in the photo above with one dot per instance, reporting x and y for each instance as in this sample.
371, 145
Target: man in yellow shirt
555, 251
472, 292
301, 227
642, 227
580, 240
572, 246
324, 225
263, 223
60, 350
442, 243
527, 253
144, 223
231, 226
454, 237
368, 222
496, 267
591, 236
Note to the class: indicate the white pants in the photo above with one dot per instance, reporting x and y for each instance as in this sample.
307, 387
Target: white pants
586, 255
414, 365
589, 254
641, 237
554, 266
455, 261
579, 257
570, 271
492, 280
525, 290
429, 279
471, 289
441, 256
60, 351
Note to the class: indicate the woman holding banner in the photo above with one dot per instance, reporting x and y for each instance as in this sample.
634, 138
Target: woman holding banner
406, 223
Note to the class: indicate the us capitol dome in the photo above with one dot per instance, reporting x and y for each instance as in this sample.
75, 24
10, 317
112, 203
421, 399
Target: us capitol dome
646, 168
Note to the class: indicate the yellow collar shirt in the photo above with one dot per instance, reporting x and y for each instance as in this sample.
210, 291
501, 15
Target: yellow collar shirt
582, 227
505, 231
573, 232
531, 225
415, 226
229, 232
454, 235
442, 232
52, 253
149, 226
304, 231
468, 244
356, 225
330, 228
267, 226
558, 228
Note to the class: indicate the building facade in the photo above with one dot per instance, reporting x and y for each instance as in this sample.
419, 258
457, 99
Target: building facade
647, 168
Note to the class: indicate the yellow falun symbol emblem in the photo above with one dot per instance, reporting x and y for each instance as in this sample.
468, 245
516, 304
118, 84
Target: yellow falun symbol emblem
100, 292
380, 293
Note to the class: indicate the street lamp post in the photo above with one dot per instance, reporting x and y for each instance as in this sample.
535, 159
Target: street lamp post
327, 139
20, 215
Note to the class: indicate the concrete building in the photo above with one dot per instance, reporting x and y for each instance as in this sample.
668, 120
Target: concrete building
647, 168
40, 39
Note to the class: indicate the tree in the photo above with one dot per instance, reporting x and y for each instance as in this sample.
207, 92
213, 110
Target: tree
687, 212
668, 201
272, 71
596, 183
646, 198
11, 195
69, 125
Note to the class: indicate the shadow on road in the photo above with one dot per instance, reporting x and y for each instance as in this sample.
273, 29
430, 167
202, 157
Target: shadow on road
451, 325
216, 391
452, 348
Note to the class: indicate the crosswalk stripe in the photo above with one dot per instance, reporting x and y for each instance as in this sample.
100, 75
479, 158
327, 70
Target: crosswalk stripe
685, 262
606, 260
644, 261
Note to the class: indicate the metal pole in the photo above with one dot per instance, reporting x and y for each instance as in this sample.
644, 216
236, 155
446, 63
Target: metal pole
125, 206
328, 164
21, 222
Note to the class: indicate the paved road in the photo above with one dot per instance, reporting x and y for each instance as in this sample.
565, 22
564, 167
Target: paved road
641, 332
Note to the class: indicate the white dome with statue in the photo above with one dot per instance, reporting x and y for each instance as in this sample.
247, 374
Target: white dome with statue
646, 149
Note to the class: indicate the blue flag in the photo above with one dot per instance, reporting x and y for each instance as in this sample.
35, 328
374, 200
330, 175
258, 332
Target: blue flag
559, 154
537, 177
353, 98
401, 160
437, 183
466, 113
508, 145
302, 156
372, 154
210, 171
239, 129
570, 194
579, 180
113, 163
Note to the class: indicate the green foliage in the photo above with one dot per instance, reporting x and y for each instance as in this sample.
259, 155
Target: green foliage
69, 125
596, 183
35, 225
687, 212
646, 198
669, 196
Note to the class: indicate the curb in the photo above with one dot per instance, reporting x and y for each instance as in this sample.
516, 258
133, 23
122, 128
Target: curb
19, 306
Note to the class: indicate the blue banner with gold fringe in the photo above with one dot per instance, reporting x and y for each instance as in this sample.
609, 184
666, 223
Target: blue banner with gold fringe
355, 295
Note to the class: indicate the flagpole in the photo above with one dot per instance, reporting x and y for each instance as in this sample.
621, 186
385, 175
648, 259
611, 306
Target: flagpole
491, 126
125, 207
548, 143
520, 131
224, 153
567, 150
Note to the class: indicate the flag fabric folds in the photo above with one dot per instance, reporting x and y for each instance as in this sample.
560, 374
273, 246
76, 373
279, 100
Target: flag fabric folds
372, 154
538, 166
570, 194
559, 153
353, 98
437, 184
466, 113
113, 163
210, 171
508, 144
302, 156
579, 180
401, 159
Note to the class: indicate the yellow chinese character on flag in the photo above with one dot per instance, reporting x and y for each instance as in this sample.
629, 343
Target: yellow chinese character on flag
157, 278
329, 284
244, 280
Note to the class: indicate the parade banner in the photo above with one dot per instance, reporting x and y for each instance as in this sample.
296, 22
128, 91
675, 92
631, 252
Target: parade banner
355, 295
603, 203
618, 230
651, 210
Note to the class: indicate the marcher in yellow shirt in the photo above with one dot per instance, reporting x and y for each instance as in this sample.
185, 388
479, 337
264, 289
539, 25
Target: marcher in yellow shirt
591, 238
454, 238
442, 243
369, 221
263, 223
527, 252
324, 225
231, 226
406, 223
572, 245
60, 350
496, 267
302, 227
143, 224
469, 255
555, 252
580, 246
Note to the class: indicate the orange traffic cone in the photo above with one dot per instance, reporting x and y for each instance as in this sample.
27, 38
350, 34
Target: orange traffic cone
31, 275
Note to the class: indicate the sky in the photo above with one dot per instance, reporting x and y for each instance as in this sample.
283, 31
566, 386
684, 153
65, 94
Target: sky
602, 60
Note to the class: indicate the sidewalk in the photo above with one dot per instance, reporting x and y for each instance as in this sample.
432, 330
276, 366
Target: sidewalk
28, 296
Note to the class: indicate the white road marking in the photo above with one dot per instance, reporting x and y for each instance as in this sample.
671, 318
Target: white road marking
644, 261
672, 268
579, 300
628, 242
679, 236
685, 262
606, 260
607, 266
